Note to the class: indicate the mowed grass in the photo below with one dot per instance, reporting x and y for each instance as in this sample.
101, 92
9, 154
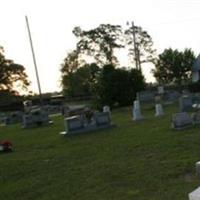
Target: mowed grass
136, 160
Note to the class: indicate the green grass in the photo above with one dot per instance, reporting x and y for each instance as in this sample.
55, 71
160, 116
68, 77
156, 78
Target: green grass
137, 161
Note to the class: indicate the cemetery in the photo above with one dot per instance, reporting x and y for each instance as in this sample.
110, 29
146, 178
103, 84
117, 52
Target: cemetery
114, 135
124, 162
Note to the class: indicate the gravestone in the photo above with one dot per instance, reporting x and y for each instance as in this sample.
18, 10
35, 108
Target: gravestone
107, 109
160, 90
73, 124
159, 110
102, 119
196, 117
185, 103
13, 117
79, 124
136, 111
197, 165
53, 109
36, 118
27, 106
146, 96
181, 120
195, 195
70, 111
171, 95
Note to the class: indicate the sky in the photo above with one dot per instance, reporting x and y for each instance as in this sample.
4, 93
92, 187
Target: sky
171, 23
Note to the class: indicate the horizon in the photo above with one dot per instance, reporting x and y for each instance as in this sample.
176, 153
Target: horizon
166, 22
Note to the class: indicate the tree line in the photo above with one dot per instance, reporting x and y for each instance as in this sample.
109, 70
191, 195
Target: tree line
106, 79
94, 67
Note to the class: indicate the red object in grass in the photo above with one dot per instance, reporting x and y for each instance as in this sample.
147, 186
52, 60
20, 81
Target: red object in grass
7, 145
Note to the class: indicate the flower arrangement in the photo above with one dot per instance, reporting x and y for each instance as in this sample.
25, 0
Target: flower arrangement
6, 145
88, 114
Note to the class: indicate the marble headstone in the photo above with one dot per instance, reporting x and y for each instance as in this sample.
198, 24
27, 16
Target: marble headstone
136, 111
159, 110
195, 195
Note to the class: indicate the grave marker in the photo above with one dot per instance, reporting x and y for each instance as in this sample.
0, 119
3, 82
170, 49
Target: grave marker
136, 111
79, 124
159, 110
195, 195
185, 103
181, 120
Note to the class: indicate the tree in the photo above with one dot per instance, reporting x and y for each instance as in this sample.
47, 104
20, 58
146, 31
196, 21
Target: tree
68, 67
143, 46
118, 86
12, 75
100, 43
78, 81
174, 67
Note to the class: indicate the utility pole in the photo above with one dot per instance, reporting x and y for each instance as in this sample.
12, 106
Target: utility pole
34, 61
135, 46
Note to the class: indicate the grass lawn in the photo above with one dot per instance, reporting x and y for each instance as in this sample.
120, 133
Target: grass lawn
137, 161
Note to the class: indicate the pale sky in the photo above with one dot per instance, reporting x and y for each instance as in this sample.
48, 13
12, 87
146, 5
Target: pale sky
171, 23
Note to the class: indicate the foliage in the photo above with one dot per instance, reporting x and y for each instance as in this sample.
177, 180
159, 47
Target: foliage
118, 86
80, 82
12, 75
100, 42
194, 87
174, 67
143, 48
69, 65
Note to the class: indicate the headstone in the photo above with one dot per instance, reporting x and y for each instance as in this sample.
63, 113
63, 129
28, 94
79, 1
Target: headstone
195, 195
171, 95
106, 109
181, 120
73, 123
146, 96
70, 111
161, 90
196, 117
159, 110
79, 124
136, 111
13, 117
197, 165
27, 106
185, 103
36, 118
102, 119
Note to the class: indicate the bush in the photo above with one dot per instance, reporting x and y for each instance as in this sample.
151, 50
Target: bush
194, 87
118, 87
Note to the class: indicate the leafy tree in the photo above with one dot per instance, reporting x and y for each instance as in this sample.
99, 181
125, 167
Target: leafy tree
118, 86
12, 75
174, 67
145, 51
68, 67
100, 42
80, 81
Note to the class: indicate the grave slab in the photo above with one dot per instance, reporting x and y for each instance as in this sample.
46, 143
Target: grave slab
181, 120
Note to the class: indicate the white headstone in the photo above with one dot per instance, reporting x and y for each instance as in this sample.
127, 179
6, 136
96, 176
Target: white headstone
197, 168
106, 109
159, 110
136, 111
160, 90
195, 195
